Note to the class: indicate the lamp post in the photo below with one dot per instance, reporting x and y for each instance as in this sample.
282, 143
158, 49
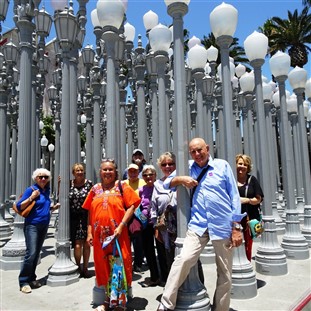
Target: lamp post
51, 148
110, 15
14, 250
160, 38
293, 241
298, 80
192, 286
268, 254
64, 271
223, 21
197, 57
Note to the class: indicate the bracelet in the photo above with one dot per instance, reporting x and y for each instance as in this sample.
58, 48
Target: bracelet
124, 223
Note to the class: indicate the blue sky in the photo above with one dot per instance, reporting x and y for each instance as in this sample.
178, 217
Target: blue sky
251, 15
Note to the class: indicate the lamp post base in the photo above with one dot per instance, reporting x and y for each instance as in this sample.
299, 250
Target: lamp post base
306, 229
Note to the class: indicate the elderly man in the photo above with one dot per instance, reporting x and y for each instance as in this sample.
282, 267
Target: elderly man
215, 216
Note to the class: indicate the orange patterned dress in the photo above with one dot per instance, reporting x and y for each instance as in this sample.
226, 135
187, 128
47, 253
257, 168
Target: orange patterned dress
106, 210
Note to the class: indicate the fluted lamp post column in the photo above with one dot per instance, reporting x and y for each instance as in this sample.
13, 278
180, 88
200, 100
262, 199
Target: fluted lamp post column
223, 21
298, 79
13, 252
293, 242
270, 258
192, 287
197, 58
110, 16
160, 38
64, 271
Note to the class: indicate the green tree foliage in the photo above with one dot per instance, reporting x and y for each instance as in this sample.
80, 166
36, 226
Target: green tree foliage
292, 35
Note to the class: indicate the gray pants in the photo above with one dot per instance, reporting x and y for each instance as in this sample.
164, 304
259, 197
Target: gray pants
188, 257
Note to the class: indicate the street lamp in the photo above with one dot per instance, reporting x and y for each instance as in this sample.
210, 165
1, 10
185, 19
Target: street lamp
110, 16
223, 21
298, 80
160, 38
64, 271
43, 142
256, 46
293, 242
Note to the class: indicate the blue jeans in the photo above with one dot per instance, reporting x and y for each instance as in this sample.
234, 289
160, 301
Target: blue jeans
34, 238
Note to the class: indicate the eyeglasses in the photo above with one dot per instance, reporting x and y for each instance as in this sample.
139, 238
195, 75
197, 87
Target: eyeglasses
45, 177
148, 175
167, 164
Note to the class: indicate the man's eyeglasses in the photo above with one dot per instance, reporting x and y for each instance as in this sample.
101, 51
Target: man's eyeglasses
45, 177
148, 175
167, 164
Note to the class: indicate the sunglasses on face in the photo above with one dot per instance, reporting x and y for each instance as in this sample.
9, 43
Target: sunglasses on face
45, 177
148, 175
167, 164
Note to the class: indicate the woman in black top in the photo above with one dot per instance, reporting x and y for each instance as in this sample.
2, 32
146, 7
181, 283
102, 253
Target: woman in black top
251, 196
79, 188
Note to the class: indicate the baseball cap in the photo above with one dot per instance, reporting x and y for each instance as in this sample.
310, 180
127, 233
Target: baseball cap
134, 166
137, 151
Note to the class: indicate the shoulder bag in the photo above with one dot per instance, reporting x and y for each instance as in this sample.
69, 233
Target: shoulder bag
25, 212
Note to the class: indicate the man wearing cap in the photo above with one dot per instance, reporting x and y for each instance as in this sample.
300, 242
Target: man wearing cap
138, 158
135, 183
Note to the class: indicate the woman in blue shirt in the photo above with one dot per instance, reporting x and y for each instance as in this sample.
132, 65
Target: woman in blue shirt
35, 226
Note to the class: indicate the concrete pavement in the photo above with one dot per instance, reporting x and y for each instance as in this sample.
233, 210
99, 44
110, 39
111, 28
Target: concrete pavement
274, 292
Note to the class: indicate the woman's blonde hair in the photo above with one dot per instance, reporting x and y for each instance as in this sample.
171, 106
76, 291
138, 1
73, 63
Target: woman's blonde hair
75, 166
166, 155
247, 160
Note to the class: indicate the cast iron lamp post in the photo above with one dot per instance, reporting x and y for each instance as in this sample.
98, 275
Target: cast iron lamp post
192, 286
64, 271
298, 80
293, 242
43, 142
160, 38
110, 16
270, 259
14, 250
223, 21
197, 58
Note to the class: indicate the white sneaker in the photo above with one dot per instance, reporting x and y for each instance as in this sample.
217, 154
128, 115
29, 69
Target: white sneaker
26, 289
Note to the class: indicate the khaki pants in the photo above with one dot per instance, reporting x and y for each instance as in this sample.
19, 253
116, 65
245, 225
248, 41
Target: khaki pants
188, 257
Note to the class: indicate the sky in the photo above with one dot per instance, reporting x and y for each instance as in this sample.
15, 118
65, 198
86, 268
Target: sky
251, 15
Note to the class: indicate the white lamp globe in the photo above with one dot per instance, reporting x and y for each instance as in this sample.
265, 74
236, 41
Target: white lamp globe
160, 38
94, 18
267, 91
297, 78
129, 32
223, 20
240, 70
193, 41
247, 82
279, 64
256, 46
197, 57
306, 105
212, 54
292, 104
110, 13
276, 99
150, 19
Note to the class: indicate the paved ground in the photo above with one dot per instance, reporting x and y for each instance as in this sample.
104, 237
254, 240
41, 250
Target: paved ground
274, 292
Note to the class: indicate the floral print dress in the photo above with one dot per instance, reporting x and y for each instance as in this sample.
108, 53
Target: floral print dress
78, 215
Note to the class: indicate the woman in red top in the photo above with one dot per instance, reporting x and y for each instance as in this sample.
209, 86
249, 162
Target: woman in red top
109, 213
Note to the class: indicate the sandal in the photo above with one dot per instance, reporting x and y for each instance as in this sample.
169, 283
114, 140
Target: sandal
26, 289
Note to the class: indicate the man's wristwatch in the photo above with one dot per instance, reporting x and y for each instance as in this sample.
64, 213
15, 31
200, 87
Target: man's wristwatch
237, 226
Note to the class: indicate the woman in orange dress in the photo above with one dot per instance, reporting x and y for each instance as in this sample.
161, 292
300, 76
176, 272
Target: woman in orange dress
109, 212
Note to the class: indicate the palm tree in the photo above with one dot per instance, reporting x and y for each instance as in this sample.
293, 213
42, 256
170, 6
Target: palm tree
292, 35
306, 3
235, 51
